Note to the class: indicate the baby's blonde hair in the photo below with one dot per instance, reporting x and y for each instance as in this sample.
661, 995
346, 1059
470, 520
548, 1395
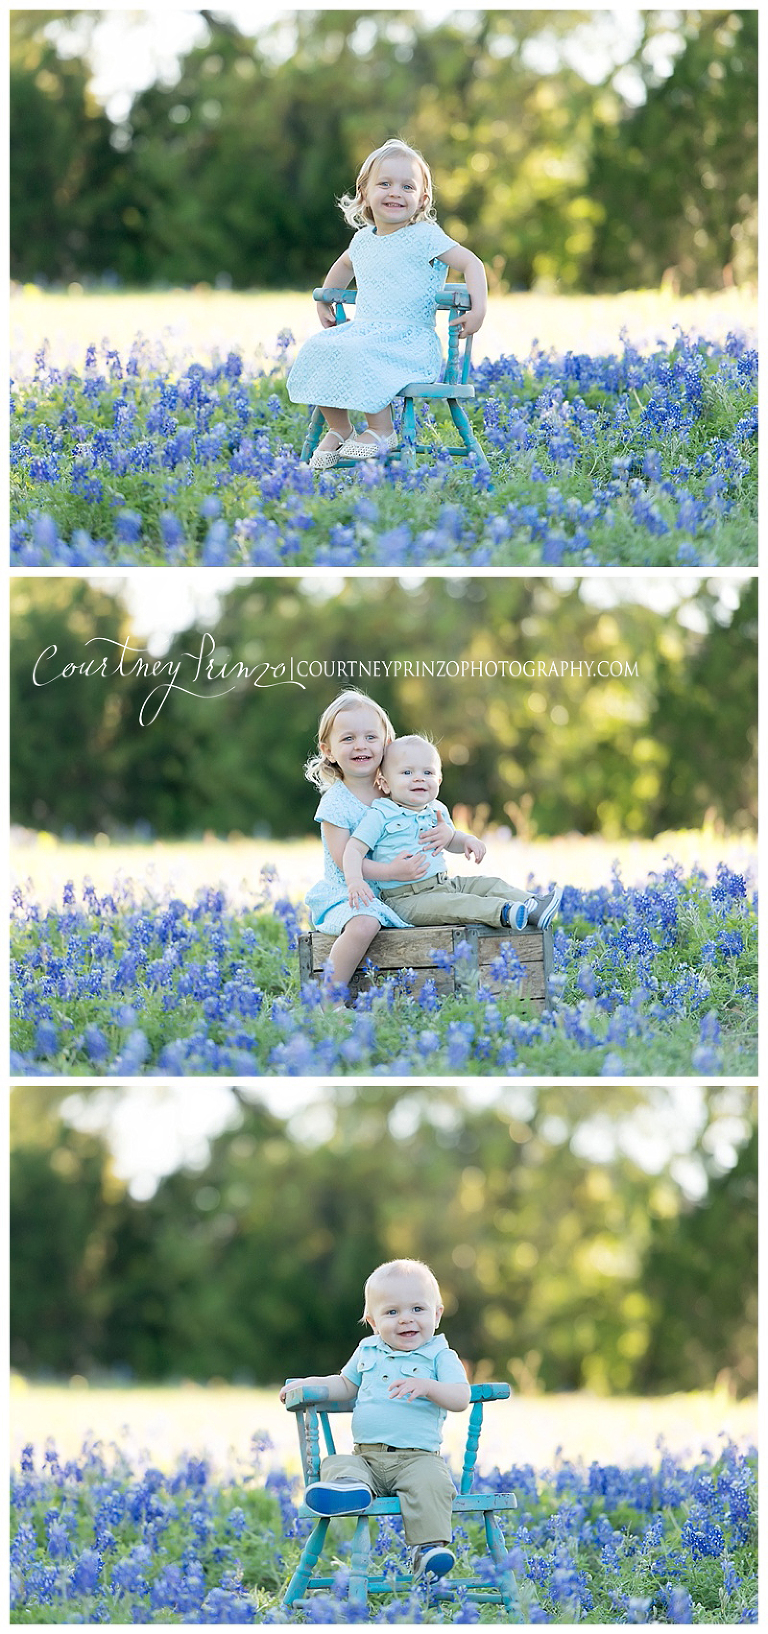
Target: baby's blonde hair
400, 1268
357, 212
319, 769
406, 741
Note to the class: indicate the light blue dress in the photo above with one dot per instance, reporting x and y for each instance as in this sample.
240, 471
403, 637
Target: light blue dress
391, 342
328, 902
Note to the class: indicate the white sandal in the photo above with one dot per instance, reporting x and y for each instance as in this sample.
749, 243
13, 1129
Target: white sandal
355, 449
324, 458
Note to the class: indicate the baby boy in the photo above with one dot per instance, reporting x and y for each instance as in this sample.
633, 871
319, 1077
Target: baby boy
403, 1380
410, 775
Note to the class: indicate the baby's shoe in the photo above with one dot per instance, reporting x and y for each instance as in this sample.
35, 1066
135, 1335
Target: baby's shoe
367, 446
324, 458
545, 908
338, 1497
514, 915
433, 1560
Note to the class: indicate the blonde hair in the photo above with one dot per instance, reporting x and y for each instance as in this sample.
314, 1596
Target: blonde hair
319, 769
357, 212
406, 741
400, 1268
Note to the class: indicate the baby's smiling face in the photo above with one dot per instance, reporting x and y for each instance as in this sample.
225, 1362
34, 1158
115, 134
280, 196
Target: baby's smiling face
411, 773
403, 1310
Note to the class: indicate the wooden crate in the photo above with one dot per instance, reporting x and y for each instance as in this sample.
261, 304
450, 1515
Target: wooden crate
393, 950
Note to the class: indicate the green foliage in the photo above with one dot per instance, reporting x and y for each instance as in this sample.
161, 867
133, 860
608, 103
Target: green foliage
674, 183
558, 1270
638, 754
231, 172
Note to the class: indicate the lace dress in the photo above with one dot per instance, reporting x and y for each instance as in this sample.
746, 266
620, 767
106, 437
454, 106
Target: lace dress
391, 341
328, 902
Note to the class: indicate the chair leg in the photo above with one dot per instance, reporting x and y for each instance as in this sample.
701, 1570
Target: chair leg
314, 433
408, 435
310, 1555
508, 1589
461, 421
360, 1562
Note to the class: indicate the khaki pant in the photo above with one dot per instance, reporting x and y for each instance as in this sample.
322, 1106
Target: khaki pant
459, 901
419, 1479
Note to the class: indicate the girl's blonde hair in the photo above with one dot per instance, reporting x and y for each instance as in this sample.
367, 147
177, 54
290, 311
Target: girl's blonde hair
319, 769
400, 1268
357, 212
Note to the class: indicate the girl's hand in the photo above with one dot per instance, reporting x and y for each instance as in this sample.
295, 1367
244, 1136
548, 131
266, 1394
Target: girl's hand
409, 865
474, 849
326, 314
360, 894
469, 322
409, 1389
437, 838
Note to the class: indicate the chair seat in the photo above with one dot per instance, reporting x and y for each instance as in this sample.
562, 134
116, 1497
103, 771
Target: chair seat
438, 388
480, 1502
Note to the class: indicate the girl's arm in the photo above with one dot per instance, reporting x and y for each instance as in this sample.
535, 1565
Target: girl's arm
408, 865
359, 892
465, 261
339, 276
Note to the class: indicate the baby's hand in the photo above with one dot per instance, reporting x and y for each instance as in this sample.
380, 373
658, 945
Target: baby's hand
326, 314
291, 1386
360, 894
409, 865
409, 1389
437, 838
474, 848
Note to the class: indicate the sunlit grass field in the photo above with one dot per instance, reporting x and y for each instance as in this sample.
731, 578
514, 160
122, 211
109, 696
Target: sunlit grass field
198, 323
235, 864
221, 1419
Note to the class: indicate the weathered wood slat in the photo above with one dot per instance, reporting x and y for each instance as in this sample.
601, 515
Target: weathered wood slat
396, 950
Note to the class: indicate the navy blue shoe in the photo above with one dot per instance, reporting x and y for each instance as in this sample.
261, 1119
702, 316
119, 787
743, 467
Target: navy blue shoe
338, 1497
546, 907
433, 1560
515, 914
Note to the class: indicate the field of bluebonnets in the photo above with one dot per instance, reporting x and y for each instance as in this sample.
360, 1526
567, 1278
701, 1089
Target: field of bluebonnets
629, 457
656, 977
101, 1539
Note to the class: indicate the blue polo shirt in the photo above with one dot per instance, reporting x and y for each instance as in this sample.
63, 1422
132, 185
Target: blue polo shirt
375, 1416
387, 829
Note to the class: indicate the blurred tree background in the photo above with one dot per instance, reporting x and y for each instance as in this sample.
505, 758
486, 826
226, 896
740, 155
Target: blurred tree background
583, 1238
633, 755
562, 165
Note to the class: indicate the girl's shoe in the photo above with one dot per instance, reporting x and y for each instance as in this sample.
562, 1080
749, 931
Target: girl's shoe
338, 1497
324, 458
356, 448
433, 1560
546, 907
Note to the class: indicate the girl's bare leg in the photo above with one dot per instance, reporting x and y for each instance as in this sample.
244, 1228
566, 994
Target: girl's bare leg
381, 423
339, 425
351, 946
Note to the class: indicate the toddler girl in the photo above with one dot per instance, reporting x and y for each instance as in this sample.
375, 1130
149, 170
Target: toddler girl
399, 260
352, 736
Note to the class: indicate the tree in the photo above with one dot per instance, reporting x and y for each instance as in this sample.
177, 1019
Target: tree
676, 179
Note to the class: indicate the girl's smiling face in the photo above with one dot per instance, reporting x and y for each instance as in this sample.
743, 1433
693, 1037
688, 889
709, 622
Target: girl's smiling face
356, 743
395, 192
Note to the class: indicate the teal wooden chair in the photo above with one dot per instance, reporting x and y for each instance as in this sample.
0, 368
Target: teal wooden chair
310, 1419
454, 389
